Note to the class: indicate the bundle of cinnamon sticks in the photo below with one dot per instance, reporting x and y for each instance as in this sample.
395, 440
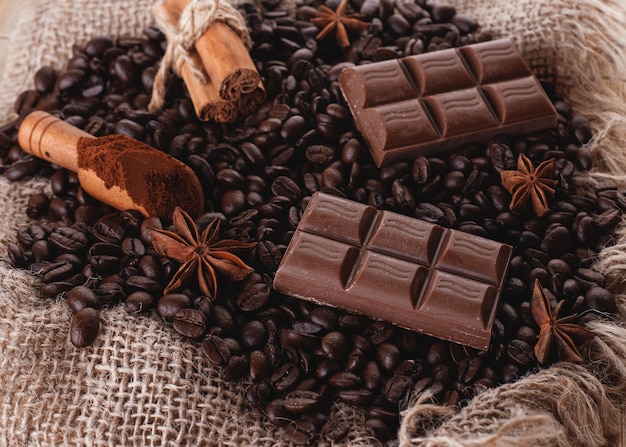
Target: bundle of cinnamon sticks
233, 85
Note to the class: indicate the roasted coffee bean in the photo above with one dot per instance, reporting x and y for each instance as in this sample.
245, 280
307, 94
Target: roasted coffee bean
601, 299
324, 317
344, 380
137, 282
388, 356
258, 394
81, 297
104, 257
285, 377
335, 346
40, 251
133, 246
378, 429
468, 368
260, 366
45, 78
37, 205
277, 414
84, 327
138, 302
56, 271
384, 414
372, 376
169, 305
253, 334
521, 352
216, 349
110, 293
301, 401
254, 297
300, 432
356, 397
236, 368
336, 429
190, 323
397, 387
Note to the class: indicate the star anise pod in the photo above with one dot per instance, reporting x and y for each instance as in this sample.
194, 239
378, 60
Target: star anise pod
558, 337
528, 182
338, 22
200, 255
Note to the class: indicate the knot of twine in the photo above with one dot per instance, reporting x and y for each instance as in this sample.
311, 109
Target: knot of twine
194, 21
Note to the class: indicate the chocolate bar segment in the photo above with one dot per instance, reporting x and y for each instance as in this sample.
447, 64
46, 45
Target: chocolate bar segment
412, 273
436, 102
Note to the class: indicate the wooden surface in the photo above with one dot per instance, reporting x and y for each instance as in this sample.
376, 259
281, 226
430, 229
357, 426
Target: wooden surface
9, 10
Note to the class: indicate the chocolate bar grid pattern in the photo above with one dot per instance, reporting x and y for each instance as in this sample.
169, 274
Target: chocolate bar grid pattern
414, 274
434, 102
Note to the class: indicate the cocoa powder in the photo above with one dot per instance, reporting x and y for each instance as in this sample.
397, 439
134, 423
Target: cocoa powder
152, 179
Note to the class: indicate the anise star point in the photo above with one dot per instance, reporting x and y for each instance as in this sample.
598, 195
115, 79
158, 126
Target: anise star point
530, 183
202, 255
338, 22
558, 337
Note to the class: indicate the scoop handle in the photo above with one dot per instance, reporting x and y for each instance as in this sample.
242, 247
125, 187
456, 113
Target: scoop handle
47, 137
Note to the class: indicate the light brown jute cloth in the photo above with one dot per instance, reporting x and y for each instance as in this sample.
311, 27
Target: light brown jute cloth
141, 384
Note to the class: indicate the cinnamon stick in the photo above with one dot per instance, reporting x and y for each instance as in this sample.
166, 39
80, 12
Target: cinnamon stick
205, 97
225, 58
249, 102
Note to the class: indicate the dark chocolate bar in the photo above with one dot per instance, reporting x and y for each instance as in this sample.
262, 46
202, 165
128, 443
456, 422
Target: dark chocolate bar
435, 102
388, 266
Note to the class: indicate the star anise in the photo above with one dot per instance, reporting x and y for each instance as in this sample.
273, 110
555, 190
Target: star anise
338, 22
558, 337
200, 255
528, 182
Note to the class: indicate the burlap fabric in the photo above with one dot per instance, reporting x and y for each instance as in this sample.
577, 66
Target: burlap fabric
141, 384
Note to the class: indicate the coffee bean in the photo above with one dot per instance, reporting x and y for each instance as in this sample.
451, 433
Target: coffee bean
81, 297
301, 401
190, 323
84, 327
138, 302
520, 352
236, 368
336, 429
260, 366
388, 356
285, 377
253, 334
397, 387
216, 350
169, 305
254, 297
378, 429
258, 394
356, 397
300, 432
45, 78
344, 380
334, 346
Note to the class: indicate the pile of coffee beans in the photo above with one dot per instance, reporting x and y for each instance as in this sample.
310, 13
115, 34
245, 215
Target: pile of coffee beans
258, 175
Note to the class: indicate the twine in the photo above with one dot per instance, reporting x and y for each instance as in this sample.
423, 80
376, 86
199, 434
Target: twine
194, 21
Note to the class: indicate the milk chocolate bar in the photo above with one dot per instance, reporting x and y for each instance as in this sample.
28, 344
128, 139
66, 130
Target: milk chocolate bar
388, 266
435, 102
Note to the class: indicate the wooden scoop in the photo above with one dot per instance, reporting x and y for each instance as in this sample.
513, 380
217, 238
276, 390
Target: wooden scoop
137, 169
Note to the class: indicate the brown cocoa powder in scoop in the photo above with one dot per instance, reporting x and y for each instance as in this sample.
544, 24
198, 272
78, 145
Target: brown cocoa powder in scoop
152, 179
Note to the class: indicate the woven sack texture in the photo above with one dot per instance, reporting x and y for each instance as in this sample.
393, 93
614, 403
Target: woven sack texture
141, 384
